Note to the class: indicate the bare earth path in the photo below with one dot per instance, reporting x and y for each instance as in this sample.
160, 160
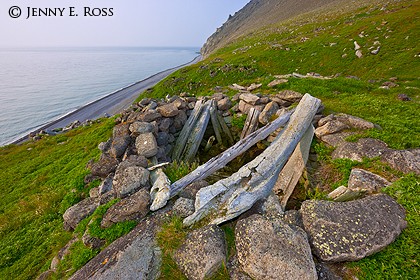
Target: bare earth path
110, 104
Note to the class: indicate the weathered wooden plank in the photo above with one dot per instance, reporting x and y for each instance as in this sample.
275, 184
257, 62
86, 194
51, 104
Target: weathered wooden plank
225, 129
215, 122
230, 197
185, 132
196, 134
251, 123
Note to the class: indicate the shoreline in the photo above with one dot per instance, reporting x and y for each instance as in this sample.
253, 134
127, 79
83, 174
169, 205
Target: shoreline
110, 104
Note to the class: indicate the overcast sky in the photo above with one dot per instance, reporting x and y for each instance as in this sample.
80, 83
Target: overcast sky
134, 22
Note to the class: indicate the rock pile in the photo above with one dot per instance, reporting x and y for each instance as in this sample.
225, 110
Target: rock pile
270, 243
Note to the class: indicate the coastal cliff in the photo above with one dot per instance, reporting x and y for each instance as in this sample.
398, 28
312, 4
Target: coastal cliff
256, 15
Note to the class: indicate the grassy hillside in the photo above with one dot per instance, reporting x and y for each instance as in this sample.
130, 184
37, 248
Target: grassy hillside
40, 180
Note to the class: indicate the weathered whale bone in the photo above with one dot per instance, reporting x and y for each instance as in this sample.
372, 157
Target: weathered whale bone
230, 197
162, 193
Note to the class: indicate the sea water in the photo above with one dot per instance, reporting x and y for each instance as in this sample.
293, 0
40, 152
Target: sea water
39, 85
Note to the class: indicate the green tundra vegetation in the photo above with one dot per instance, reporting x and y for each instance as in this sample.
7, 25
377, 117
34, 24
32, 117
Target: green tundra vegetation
40, 180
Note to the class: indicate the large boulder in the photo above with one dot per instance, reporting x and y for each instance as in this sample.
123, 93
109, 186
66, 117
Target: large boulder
133, 256
75, 214
350, 231
130, 178
203, 253
273, 249
146, 145
134, 207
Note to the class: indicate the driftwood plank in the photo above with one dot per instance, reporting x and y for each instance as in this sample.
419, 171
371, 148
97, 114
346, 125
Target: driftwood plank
196, 134
215, 122
226, 130
251, 123
185, 132
230, 197
220, 161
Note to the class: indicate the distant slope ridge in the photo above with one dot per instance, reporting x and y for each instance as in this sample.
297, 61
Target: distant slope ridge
257, 14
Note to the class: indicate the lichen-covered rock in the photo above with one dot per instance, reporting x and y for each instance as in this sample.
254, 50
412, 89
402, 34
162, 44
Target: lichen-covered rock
235, 271
269, 111
180, 120
245, 107
403, 160
362, 180
165, 124
62, 253
249, 98
290, 95
183, 207
134, 207
350, 231
133, 256
104, 166
354, 122
168, 110
106, 185
203, 253
191, 190
277, 82
129, 178
273, 250
149, 116
331, 127
141, 127
336, 139
75, 214
162, 139
224, 104
120, 140
146, 145
137, 160
365, 147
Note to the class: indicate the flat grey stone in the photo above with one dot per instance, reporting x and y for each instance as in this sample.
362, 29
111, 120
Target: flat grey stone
273, 250
129, 178
350, 231
134, 207
131, 257
75, 214
146, 145
183, 207
202, 253
362, 180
